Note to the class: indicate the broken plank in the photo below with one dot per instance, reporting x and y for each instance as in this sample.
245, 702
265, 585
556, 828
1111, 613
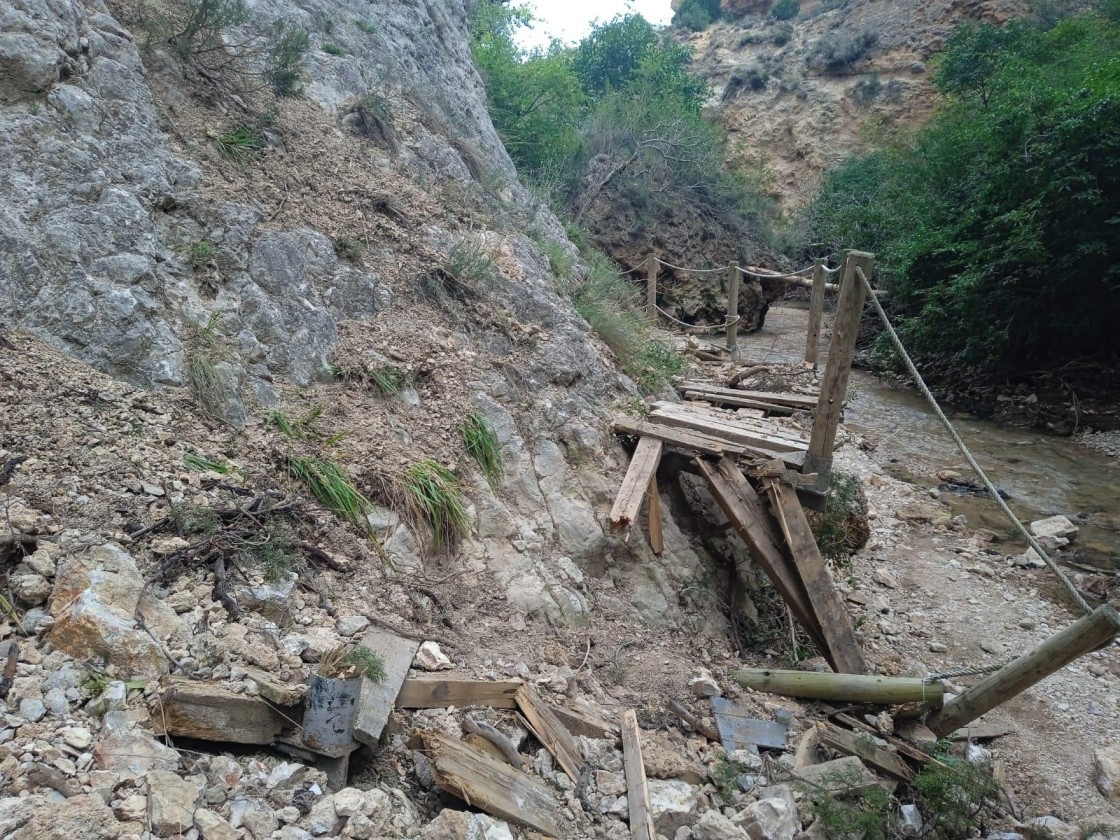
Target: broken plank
441, 693
739, 402
738, 730
193, 709
728, 429
656, 534
777, 397
692, 720
678, 437
980, 731
489, 785
770, 428
643, 467
852, 688
841, 648
739, 502
274, 691
550, 731
908, 750
580, 719
637, 791
862, 746
375, 703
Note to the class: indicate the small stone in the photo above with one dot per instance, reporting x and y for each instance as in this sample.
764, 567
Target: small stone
133, 807
1027, 623
132, 753
859, 597
171, 802
31, 588
1097, 670
1106, 772
40, 562
609, 784
992, 646
213, 827
352, 625
323, 818
32, 709
937, 647
77, 737
1054, 526
349, 801
885, 578
430, 658
704, 685
911, 821
772, 817
714, 826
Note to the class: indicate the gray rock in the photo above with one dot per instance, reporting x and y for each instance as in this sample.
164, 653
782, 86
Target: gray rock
772, 817
32, 709
351, 625
1054, 526
212, 827
673, 804
714, 826
1106, 772
171, 802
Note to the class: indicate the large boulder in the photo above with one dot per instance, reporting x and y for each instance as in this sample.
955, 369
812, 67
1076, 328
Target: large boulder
83, 817
1106, 772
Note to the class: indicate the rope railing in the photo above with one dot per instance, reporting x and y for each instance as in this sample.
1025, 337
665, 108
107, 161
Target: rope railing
917, 377
691, 270
700, 327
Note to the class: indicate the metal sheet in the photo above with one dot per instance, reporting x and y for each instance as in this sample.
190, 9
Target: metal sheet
739, 731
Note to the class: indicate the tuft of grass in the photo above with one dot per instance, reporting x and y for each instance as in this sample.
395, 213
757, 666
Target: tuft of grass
481, 442
209, 389
201, 254
366, 26
725, 776
375, 120
388, 379
433, 495
193, 520
832, 529
239, 144
274, 550
331, 48
280, 420
350, 248
333, 487
654, 366
470, 264
368, 663
201, 463
559, 260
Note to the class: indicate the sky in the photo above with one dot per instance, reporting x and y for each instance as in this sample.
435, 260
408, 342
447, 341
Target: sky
570, 20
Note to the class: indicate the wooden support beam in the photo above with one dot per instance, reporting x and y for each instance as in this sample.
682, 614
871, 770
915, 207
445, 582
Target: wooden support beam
694, 441
643, 467
1084, 635
757, 423
878, 758
741, 505
547, 729
656, 535
189, 708
830, 404
441, 693
816, 312
652, 267
637, 791
778, 397
492, 786
730, 429
841, 648
738, 402
849, 688
733, 312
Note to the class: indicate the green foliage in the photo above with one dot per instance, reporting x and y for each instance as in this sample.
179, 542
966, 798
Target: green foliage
286, 52
202, 26
367, 26
201, 253
559, 260
836, 50
469, 263
611, 306
348, 247
332, 486
997, 225
785, 9
240, 143
725, 775
331, 48
695, 15
654, 366
201, 463
368, 663
280, 420
434, 497
481, 442
211, 391
870, 815
193, 520
387, 379
374, 119
957, 798
831, 528
274, 549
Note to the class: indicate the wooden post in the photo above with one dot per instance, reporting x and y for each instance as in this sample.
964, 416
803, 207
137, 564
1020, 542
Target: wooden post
637, 791
733, 312
1084, 635
848, 688
845, 326
816, 310
651, 287
656, 536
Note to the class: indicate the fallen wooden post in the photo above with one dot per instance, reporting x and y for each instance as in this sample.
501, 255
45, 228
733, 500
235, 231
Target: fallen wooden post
861, 746
637, 791
816, 310
441, 693
1084, 635
643, 467
850, 688
550, 731
490, 785
841, 647
188, 708
696, 723
738, 402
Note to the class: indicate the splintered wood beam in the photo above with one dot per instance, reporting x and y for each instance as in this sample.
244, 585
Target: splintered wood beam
441, 693
877, 758
681, 438
1086, 634
193, 709
637, 791
732, 430
739, 402
785, 398
375, 703
841, 648
485, 783
741, 505
656, 535
816, 310
643, 468
850, 688
548, 729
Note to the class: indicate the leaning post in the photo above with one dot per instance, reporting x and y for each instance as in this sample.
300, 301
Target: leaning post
816, 311
830, 404
733, 312
651, 287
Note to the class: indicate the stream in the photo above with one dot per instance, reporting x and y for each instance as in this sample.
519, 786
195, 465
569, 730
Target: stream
1041, 474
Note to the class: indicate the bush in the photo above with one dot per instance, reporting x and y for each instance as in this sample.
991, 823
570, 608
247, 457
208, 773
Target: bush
286, 52
373, 118
781, 34
785, 9
695, 15
331, 48
747, 76
834, 51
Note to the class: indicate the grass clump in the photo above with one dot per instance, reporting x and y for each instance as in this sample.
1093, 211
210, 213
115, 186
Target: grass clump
333, 487
470, 264
481, 442
434, 496
388, 379
368, 662
274, 550
373, 118
239, 144
836, 533
368, 27
211, 391
785, 9
201, 463
654, 366
559, 260
348, 247
341, 663
201, 254
331, 48
193, 520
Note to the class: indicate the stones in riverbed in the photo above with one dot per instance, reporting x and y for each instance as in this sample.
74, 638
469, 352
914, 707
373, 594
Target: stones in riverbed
1054, 526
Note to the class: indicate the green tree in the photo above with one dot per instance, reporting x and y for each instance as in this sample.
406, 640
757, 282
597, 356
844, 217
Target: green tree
610, 56
785, 9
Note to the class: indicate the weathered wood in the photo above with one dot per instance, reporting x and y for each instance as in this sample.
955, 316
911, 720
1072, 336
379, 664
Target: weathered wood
692, 720
490, 785
656, 535
979, 731
550, 731
1084, 635
707, 411
376, 701
804, 401
908, 750
652, 267
845, 327
189, 708
806, 751
733, 312
643, 467
637, 791
274, 691
582, 720
850, 688
738, 402
738, 432
739, 730
441, 693
841, 648
861, 746
816, 311
495, 738
678, 437
741, 505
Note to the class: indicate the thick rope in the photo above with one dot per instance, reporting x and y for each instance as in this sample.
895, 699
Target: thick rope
698, 327
1027, 535
775, 276
692, 270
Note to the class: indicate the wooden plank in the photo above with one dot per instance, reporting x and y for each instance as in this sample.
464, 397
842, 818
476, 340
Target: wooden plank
710, 412
274, 691
816, 312
375, 703
851, 688
733, 312
908, 750
861, 746
742, 402
841, 648
579, 719
744, 509
656, 535
490, 785
643, 467
189, 708
441, 693
834, 386
980, 731
550, 731
776, 397
736, 432
678, 437
1083, 636
750, 413
806, 751
637, 791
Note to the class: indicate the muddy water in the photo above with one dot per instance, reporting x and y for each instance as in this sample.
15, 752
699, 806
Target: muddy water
1041, 474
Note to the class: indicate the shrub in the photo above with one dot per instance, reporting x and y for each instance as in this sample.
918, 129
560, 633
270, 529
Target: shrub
286, 52
348, 247
693, 16
481, 442
837, 535
781, 33
369, 664
470, 263
374, 119
201, 253
331, 48
368, 27
957, 797
834, 51
332, 486
211, 391
434, 497
193, 520
785, 9
749, 76
239, 144
274, 549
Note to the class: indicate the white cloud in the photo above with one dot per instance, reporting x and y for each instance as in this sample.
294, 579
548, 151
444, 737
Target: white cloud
570, 20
